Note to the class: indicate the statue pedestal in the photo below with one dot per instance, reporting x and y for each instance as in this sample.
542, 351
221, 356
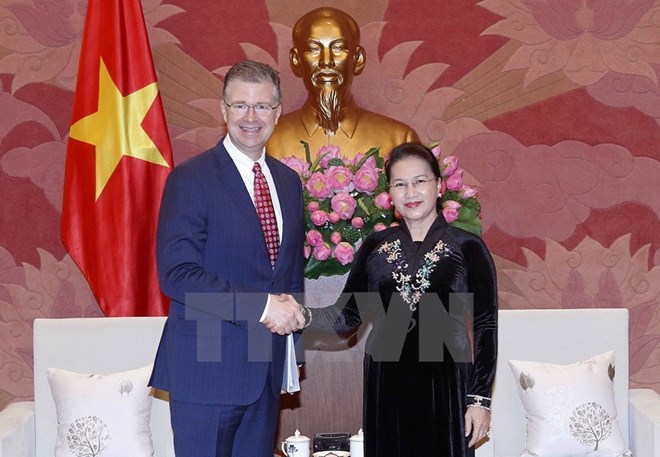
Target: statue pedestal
330, 399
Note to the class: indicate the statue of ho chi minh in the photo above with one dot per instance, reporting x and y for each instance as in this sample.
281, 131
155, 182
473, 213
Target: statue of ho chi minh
326, 54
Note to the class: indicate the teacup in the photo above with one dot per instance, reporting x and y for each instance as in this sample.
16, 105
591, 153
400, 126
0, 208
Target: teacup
296, 446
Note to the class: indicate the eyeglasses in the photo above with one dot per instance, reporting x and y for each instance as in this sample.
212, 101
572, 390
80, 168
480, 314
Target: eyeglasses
260, 109
418, 183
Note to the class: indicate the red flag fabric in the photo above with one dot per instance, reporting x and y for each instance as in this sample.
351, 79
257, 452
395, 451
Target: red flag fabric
118, 158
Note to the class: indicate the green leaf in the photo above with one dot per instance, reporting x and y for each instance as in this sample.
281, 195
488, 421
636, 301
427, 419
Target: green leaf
469, 226
450, 195
468, 220
351, 234
336, 162
363, 206
472, 203
370, 152
316, 163
308, 155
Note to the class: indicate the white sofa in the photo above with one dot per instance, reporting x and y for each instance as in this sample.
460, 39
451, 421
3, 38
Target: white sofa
106, 345
86, 345
562, 337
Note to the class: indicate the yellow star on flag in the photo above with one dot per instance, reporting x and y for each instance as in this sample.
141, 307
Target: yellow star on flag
115, 128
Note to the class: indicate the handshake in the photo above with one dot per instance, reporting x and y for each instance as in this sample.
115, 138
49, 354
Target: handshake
286, 315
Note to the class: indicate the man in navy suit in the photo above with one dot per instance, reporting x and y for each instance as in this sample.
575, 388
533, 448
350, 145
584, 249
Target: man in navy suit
217, 358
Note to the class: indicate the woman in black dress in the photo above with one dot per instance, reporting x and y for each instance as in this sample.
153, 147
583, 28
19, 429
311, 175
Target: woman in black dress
432, 292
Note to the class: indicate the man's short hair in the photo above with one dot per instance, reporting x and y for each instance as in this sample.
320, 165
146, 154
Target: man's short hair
324, 12
251, 71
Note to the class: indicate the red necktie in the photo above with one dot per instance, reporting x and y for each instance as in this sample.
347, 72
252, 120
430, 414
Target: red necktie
266, 213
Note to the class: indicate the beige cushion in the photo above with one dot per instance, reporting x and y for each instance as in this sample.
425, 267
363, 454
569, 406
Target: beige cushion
106, 415
570, 409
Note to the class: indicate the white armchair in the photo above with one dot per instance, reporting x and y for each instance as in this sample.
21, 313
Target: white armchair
17, 430
85, 345
106, 345
563, 336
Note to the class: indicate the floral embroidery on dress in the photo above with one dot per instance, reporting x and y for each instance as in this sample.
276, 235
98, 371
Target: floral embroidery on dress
412, 291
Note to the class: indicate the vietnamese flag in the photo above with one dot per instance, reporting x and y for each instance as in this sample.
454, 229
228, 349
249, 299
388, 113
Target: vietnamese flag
118, 158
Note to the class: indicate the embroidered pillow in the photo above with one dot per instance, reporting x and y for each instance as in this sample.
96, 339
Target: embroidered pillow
570, 409
102, 415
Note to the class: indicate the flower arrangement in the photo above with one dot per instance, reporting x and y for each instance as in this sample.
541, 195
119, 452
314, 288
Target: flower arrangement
347, 199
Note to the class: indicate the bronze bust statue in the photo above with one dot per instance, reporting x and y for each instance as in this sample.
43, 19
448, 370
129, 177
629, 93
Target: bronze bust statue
326, 54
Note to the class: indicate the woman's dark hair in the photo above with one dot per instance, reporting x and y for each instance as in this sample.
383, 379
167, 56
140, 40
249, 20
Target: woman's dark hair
405, 150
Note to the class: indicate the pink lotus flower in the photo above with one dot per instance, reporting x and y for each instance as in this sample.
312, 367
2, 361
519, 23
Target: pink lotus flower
468, 191
450, 214
334, 217
319, 217
343, 204
340, 178
370, 162
344, 253
312, 206
379, 227
314, 238
383, 201
335, 237
436, 151
329, 152
318, 186
322, 252
357, 222
450, 210
307, 251
299, 166
366, 179
448, 166
455, 181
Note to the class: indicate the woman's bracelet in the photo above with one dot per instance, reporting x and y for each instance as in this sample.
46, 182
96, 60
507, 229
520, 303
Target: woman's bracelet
479, 401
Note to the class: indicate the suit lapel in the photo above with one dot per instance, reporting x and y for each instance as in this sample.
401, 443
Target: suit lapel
233, 186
